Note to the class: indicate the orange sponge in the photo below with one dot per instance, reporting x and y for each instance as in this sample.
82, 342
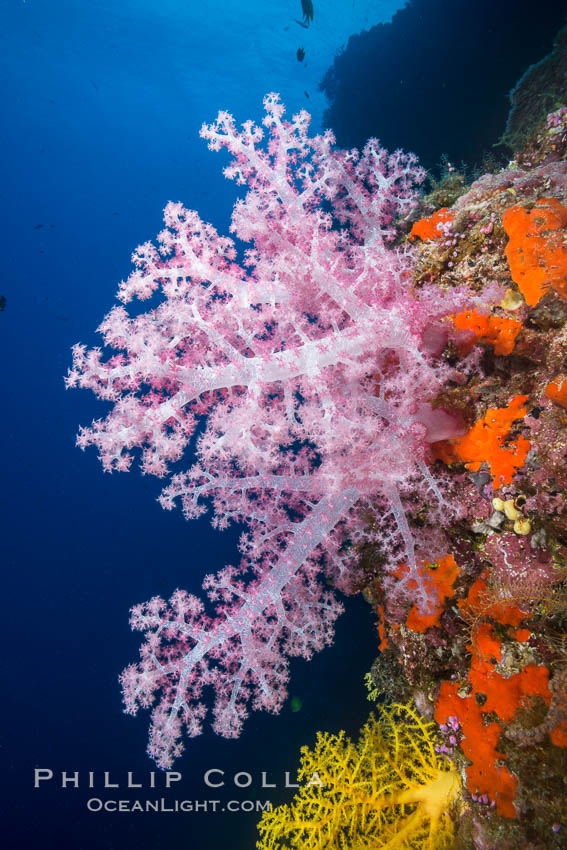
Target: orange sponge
484, 775
443, 576
537, 250
484, 443
496, 330
557, 390
426, 228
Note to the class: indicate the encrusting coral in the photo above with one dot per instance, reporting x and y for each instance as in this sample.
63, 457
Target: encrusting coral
392, 790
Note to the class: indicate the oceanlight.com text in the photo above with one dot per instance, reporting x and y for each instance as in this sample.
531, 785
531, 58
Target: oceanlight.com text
95, 804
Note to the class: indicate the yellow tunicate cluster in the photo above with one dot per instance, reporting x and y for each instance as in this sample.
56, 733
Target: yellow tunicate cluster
510, 508
391, 791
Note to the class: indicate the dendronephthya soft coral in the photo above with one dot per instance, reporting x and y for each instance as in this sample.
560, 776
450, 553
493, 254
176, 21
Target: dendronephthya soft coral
277, 358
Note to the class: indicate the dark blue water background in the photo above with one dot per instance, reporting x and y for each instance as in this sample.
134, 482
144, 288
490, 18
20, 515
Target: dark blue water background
102, 103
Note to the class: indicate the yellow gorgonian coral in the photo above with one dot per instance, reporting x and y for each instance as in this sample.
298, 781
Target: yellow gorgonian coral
390, 791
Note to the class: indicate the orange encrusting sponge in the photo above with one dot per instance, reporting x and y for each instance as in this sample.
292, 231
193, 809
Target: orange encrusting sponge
537, 250
496, 330
426, 228
484, 443
557, 390
443, 577
502, 696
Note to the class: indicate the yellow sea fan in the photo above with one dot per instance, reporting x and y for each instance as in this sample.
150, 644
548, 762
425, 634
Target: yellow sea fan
391, 791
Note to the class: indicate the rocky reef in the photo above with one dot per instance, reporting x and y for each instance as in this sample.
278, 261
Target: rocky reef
489, 663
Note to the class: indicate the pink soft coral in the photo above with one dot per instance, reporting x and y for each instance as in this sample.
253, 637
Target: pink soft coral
282, 353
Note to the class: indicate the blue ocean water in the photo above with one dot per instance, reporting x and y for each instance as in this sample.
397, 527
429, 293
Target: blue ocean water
102, 104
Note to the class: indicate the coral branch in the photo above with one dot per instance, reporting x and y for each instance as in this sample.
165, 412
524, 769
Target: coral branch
309, 367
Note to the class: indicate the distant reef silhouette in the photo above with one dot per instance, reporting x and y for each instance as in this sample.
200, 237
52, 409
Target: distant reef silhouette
436, 80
